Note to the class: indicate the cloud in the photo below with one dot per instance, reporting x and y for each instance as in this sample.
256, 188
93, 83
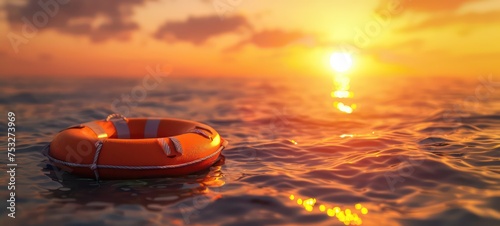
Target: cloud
426, 6
440, 14
456, 20
99, 20
198, 30
433, 6
272, 39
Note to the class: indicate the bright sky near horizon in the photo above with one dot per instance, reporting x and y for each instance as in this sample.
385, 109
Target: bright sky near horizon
249, 37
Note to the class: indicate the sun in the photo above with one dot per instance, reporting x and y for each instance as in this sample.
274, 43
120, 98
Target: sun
340, 61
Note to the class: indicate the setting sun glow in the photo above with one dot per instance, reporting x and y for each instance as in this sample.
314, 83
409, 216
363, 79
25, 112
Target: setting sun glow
341, 62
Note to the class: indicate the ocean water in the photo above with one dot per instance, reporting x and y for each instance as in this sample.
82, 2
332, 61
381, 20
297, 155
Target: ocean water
413, 151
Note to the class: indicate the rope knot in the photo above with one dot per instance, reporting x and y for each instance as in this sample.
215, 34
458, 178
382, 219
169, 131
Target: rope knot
93, 166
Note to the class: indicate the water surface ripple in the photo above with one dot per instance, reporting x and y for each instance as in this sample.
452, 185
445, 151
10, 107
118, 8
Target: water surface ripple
414, 152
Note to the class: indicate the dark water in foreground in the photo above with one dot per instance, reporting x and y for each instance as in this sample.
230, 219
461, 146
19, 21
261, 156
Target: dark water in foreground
413, 152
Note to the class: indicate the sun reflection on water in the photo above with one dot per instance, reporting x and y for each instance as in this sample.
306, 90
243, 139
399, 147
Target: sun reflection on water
347, 216
342, 92
341, 62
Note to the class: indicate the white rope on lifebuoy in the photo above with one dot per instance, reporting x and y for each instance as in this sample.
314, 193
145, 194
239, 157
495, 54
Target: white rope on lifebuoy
164, 146
94, 165
113, 116
177, 145
201, 132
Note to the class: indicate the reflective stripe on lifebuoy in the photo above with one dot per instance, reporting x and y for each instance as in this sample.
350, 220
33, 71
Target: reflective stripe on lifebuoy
122, 130
151, 128
97, 129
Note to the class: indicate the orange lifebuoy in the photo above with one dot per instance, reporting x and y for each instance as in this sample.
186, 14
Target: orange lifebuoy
135, 148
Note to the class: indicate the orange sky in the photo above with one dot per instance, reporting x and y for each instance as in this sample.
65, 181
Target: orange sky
249, 37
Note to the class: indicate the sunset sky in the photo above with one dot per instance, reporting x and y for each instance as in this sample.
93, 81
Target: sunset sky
249, 37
